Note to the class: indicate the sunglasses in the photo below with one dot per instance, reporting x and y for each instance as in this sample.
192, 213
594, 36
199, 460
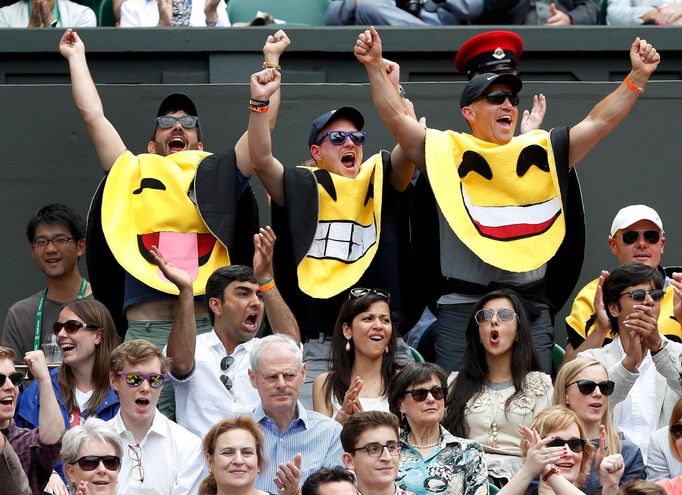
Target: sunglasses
375, 449
71, 326
639, 295
225, 364
16, 378
91, 462
498, 97
503, 314
186, 121
577, 445
676, 430
339, 137
420, 394
135, 378
632, 236
361, 292
586, 387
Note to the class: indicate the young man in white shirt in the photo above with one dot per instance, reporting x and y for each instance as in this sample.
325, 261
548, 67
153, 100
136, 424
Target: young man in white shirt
162, 457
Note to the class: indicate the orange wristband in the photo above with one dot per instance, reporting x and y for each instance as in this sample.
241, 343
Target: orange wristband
636, 89
266, 285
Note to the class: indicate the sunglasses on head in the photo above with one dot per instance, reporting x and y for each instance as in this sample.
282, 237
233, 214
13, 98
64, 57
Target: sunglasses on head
498, 97
639, 295
632, 236
168, 121
361, 292
676, 430
71, 326
420, 394
135, 378
91, 462
15, 378
586, 387
339, 137
503, 314
577, 445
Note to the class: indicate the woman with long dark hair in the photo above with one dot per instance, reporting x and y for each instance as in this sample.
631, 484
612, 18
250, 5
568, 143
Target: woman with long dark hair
362, 357
501, 385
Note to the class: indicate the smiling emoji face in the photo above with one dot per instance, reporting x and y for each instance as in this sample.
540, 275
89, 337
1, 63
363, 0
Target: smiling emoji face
147, 202
502, 201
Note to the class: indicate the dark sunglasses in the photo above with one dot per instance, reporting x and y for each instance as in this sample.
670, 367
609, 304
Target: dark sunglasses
503, 314
676, 430
498, 97
586, 387
420, 394
639, 295
632, 236
186, 121
225, 364
577, 445
71, 326
135, 378
339, 137
16, 378
361, 292
91, 462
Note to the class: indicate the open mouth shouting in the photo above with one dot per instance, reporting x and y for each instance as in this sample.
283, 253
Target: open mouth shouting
505, 121
251, 322
344, 241
506, 223
7, 401
176, 143
187, 251
348, 160
494, 337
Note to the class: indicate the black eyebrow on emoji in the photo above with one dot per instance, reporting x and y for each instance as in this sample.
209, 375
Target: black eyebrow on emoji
529, 156
473, 162
150, 184
324, 179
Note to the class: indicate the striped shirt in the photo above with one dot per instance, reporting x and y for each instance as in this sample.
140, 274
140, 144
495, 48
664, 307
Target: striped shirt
314, 436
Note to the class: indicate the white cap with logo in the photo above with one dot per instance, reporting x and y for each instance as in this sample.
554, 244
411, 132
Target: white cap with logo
632, 214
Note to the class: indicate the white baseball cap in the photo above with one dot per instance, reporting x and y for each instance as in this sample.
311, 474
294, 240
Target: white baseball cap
632, 214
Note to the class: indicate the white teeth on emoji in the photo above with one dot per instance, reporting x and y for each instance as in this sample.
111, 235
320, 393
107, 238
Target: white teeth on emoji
346, 240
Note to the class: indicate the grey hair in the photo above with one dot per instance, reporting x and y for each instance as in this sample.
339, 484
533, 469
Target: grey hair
276, 338
92, 428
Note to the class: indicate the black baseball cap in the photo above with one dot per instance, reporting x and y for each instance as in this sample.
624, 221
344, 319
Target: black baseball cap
321, 122
479, 84
176, 102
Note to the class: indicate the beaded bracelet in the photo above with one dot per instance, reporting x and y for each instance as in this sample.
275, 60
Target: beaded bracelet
270, 65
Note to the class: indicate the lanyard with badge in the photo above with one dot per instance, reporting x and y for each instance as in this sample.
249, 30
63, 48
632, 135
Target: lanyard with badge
39, 313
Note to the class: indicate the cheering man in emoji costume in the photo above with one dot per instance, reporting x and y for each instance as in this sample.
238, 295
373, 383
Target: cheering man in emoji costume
338, 219
502, 210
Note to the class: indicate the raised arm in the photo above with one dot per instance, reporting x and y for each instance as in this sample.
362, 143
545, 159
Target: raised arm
611, 111
280, 316
409, 133
272, 50
183, 335
50, 420
108, 144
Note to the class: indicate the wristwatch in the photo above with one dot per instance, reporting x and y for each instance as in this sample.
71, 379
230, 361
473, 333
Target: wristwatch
552, 471
664, 343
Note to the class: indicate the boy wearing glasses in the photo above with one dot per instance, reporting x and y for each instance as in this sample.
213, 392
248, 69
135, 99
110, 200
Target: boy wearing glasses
160, 457
636, 236
643, 364
372, 452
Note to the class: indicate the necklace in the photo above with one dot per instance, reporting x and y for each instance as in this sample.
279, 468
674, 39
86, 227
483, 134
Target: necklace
430, 446
374, 386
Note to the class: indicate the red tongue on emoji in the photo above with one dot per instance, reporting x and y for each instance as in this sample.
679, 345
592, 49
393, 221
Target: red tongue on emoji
181, 250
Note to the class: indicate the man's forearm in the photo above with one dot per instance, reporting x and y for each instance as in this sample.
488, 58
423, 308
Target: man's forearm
182, 338
281, 318
50, 419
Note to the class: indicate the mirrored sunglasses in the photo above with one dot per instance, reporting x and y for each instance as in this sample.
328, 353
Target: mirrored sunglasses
16, 378
632, 236
577, 445
375, 449
586, 387
225, 364
498, 97
503, 314
676, 430
168, 121
339, 137
361, 292
91, 462
639, 295
71, 326
135, 378
420, 394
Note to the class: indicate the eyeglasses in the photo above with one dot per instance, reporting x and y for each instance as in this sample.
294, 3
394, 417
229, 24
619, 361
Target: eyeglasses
577, 445
16, 378
498, 97
135, 378
420, 394
59, 240
676, 430
361, 292
71, 326
225, 363
375, 449
135, 455
632, 236
168, 121
503, 314
586, 387
91, 462
639, 295
337, 138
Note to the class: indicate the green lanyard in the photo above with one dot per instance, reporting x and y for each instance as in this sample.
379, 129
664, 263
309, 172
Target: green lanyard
39, 313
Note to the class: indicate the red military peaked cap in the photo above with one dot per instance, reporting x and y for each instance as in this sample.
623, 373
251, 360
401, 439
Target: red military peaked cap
492, 51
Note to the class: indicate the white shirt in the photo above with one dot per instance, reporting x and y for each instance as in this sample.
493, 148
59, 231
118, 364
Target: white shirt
639, 414
172, 459
71, 14
201, 399
145, 13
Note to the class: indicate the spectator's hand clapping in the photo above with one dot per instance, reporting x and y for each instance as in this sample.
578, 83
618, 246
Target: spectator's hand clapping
288, 477
264, 243
539, 458
533, 120
351, 402
56, 486
558, 17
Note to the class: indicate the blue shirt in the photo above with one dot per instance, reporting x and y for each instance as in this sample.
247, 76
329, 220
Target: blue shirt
313, 435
